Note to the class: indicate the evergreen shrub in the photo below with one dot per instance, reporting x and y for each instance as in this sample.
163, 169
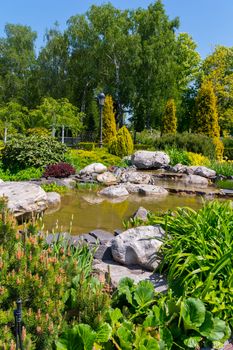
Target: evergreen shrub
109, 122
169, 121
122, 144
32, 151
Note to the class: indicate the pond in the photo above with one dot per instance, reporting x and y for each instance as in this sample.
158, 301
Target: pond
84, 210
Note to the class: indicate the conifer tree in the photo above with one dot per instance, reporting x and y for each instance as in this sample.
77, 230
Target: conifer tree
109, 122
169, 122
206, 116
122, 144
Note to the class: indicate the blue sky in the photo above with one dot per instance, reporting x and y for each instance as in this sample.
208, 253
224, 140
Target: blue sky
208, 21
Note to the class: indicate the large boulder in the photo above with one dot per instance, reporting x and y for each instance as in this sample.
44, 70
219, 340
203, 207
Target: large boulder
98, 168
138, 246
150, 160
107, 178
135, 177
114, 191
24, 198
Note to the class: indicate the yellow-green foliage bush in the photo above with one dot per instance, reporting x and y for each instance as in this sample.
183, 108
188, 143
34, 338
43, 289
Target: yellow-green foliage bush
122, 144
169, 121
197, 159
219, 148
81, 158
206, 116
109, 122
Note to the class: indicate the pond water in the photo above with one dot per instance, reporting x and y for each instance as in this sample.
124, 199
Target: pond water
85, 210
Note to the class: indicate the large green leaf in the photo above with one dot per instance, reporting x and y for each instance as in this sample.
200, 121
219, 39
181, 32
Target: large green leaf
213, 328
166, 339
192, 342
115, 315
104, 333
144, 293
87, 336
193, 313
125, 335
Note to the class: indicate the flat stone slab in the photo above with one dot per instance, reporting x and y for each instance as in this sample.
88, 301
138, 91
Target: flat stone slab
117, 272
114, 191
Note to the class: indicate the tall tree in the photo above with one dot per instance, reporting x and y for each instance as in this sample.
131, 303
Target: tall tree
156, 74
51, 75
17, 60
218, 67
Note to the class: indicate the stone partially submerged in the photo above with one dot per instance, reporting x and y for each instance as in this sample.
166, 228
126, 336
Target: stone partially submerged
114, 191
138, 246
24, 198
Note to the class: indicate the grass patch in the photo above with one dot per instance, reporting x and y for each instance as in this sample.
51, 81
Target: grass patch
225, 184
222, 168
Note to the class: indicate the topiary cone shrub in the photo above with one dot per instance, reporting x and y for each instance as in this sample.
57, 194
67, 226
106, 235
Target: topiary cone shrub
122, 144
59, 170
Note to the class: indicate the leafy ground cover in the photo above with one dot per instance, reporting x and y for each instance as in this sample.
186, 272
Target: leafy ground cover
66, 306
198, 255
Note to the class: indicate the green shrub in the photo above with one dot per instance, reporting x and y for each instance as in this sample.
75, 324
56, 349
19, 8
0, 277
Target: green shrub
122, 144
80, 158
177, 156
21, 175
143, 147
195, 143
228, 148
87, 146
32, 151
222, 168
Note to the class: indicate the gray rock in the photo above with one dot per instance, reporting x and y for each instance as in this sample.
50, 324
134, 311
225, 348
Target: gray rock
195, 180
53, 199
107, 178
179, 168
68, 182
137, 274
135, 177
114, 191
24, 198
150, 160
152, 190
98, 168
202, 171
101, 235
132, 188
141, 214
138, 246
